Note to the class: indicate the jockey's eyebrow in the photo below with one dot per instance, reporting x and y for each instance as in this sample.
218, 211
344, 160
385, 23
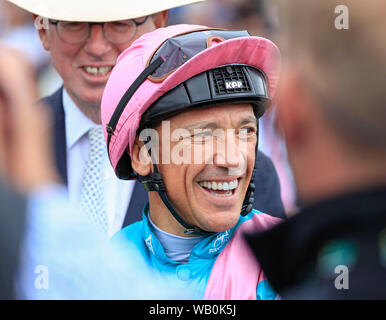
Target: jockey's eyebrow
201, 125
214, 125
248, 120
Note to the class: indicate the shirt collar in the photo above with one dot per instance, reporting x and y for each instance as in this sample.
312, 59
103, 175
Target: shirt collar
176, 247
77, 124
208, 248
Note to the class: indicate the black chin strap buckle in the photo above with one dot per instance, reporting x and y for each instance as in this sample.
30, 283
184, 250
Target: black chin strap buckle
193, 231
152, 182
249, 197
197, 231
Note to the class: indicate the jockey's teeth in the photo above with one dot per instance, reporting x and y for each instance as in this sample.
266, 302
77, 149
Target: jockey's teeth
213, 185
229, 193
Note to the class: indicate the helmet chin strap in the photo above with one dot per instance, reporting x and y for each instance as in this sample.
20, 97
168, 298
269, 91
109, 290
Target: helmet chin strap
249, 199
154, 182
249, 196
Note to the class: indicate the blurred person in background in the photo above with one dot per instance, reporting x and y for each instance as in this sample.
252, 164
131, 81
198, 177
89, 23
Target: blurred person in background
84, 53
232, 14
13, 203
48, 250
332, 112
17, 30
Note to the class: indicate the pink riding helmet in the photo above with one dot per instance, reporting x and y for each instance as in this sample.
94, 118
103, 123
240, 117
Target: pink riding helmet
134, 96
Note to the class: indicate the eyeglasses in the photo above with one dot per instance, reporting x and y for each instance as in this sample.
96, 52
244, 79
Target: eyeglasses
117, 32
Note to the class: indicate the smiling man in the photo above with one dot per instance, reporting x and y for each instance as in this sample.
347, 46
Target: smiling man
184, 122
85, 39
84, 54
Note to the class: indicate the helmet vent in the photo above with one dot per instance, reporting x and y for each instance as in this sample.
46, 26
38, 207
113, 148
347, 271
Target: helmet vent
230, 79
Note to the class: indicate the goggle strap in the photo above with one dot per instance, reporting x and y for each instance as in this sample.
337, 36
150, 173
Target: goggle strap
110, 127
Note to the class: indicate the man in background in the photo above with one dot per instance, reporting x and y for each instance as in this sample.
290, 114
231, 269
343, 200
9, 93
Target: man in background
84, 44
22, 137
332, 112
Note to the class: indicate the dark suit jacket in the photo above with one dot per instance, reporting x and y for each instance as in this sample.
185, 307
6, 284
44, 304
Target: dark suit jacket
12, 218
267, 193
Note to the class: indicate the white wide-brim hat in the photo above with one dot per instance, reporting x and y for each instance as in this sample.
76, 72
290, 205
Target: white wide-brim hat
98, 10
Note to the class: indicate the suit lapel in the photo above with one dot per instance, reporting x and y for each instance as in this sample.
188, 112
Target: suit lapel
139, 196
138, 200
55, 101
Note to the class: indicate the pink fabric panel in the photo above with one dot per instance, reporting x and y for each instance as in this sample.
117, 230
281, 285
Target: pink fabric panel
236, 272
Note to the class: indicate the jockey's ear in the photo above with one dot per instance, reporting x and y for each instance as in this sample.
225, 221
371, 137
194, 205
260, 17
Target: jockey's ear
140, 159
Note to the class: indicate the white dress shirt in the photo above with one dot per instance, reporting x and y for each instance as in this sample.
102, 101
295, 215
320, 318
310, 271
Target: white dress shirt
117, 192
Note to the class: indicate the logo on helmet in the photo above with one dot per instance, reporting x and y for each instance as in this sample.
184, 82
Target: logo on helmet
233, 85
